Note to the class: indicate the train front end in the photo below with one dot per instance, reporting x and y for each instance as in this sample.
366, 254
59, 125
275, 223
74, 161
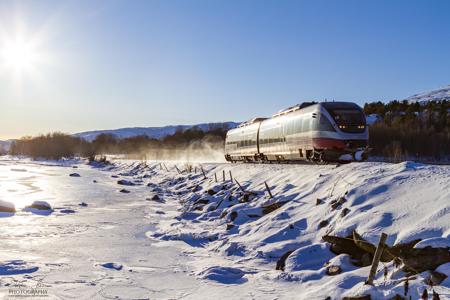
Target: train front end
342, 133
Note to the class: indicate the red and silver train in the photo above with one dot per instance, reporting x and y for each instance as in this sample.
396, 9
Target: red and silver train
318, 132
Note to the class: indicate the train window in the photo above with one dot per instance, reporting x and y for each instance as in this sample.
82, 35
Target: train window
325, 124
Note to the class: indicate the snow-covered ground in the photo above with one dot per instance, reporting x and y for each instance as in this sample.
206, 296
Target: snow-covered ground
164, 235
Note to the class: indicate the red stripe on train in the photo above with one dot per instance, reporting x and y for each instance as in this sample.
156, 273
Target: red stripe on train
324, 143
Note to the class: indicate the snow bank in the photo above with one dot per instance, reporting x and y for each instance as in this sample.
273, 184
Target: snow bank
407, 201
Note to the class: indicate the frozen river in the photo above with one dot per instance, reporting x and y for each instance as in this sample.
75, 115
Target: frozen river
103, 250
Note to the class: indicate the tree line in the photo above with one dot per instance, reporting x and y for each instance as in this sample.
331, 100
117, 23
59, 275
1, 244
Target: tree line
58, 145
404, 130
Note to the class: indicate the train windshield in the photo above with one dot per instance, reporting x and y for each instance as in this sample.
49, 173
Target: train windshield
348, 117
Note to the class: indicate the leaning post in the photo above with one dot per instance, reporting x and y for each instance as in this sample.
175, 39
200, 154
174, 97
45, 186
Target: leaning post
376, 258
268, 190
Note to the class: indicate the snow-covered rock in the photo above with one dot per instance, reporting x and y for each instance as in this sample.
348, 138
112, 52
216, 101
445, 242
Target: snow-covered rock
40, 205
7, 207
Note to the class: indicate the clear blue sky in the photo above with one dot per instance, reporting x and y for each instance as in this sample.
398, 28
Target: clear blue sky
109, 64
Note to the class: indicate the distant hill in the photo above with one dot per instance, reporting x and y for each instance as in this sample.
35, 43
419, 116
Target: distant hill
153, 132
434, 95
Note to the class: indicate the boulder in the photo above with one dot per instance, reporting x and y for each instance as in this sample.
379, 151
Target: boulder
281, 263
7, 207
125, 182
124, 191
40, 205
435, 278
84, 204
74, 175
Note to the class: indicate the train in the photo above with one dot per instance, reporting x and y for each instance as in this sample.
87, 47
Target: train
320, 132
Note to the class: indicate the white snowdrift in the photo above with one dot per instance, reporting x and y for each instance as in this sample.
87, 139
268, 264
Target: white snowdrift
407, 201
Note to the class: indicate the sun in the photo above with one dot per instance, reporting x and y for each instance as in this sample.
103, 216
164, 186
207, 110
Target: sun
18, 54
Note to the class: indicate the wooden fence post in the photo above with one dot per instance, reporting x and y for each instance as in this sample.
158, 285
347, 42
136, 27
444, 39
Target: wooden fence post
376, 258
223, 175
215, 177
231, 177
240, 186
203, 171
268, 190
178, 170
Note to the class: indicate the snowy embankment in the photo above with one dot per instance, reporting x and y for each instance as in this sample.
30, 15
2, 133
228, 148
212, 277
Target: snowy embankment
142, 230
407, 201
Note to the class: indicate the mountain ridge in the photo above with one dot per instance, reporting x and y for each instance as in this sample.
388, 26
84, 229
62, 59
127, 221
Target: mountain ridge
152, 132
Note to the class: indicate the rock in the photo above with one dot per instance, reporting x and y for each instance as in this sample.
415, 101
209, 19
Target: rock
201, 201
114, 176
281, 263
230, 226
319, 201
345, 212
345, 245
94, 181
366, 260
40, 205
233, 215
156, 198
397, 297
124, 191
272, 207
334, 204
333, 270
74, 175
211, 192
435, 278
361, 297
342, 200
74, 167
83, 204
323, 223
7, 207
418, 260
125, 182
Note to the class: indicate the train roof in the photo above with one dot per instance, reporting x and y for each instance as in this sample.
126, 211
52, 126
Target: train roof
252, 121
340, 105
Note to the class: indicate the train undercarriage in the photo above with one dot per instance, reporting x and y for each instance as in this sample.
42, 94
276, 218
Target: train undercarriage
316, 156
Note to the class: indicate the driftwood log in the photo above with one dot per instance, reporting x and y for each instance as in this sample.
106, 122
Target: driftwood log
415, 260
